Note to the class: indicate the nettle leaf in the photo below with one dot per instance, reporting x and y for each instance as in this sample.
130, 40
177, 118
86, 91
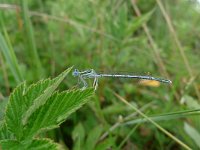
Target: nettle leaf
38, 107
41, 99
36, 144
57, 108
3, 104
35, 90
22, 103
41, 144
10, 144
15, 110
5, 133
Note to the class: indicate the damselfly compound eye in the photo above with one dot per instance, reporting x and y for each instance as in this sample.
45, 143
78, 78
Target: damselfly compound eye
75, 73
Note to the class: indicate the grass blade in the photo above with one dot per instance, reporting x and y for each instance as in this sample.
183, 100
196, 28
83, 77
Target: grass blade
168, 116
31, 40
8, 53
153, 122
193, 133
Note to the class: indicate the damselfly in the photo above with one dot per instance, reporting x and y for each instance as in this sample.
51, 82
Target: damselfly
90, 73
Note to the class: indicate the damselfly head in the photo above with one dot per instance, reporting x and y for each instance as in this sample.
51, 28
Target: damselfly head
75, 73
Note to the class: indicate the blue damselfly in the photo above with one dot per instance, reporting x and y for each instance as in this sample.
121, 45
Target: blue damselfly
90, 73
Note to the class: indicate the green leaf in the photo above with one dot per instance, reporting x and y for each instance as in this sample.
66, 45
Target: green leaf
36, 90
20, 101
42, 144
5, 133
93, 137
3, 104
15, 110
36, 144
57, 108
41, 99
10, 144
193, 133
23, 103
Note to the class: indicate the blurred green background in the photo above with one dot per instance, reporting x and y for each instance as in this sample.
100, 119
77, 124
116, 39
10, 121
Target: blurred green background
41, 38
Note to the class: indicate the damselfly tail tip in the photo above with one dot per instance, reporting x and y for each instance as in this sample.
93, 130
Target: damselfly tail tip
170, 82
166, 81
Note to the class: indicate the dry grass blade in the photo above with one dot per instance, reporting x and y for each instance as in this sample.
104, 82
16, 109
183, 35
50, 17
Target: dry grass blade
153, 44
178, 43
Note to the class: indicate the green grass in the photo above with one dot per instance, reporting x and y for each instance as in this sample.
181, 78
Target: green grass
40, 39
9, 54
29, 35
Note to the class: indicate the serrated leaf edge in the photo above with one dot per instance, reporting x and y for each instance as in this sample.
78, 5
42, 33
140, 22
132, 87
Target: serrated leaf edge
42, 102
